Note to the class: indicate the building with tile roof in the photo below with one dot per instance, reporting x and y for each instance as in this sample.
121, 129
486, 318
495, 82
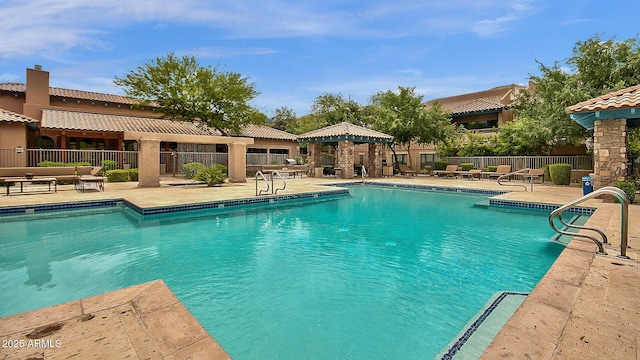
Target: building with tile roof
76, 119
482, 110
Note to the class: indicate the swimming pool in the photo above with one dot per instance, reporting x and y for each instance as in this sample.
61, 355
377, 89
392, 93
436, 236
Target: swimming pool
384, 273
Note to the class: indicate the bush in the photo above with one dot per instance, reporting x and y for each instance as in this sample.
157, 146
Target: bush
109, 165
492, 168
440, 165
629, 187
560, 174
466, 166
50, 164
117, 175
427, 170
215, 174
190, 170
133, 174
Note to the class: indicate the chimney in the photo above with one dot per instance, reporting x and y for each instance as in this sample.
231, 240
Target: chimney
37, 92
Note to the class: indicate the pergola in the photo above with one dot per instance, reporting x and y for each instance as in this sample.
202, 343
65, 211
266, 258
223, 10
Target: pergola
346, 136
609, 116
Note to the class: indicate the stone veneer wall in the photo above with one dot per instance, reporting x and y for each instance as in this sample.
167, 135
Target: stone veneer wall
609, 152
346, 158
314, 151
375, 160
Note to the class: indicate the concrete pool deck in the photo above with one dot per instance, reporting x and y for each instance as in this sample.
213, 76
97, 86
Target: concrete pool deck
586, 307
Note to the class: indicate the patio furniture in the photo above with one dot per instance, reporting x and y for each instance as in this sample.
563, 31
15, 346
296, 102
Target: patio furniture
471, 174
533, 174
450, 171
501, 170
48, 180
91, 182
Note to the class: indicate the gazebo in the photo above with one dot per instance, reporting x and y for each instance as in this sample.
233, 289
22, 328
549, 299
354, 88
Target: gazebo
346, 135
609, 116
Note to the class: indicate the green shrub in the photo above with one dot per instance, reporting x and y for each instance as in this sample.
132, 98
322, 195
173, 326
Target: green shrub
133, 174
629, 187
440, 165
215, 174
117, 175
427, 169
51, 163
109, 165
560, 174
190, 170
466, 166
80, 163
492, 168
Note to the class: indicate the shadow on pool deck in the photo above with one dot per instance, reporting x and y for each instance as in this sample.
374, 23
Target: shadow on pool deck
586, 307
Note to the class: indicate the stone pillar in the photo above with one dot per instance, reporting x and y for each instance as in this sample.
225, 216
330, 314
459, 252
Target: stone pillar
375, 160
345, 158
609, 152
314, 152
237, 162
149, 162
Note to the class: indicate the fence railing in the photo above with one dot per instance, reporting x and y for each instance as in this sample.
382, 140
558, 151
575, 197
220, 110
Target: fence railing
578, 162
267, 159
33, 157
171, 161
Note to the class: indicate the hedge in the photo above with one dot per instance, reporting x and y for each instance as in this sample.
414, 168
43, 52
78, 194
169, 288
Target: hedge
62, 164
629, 187
109, 165
133, 174
492, 168
560, 174
466, 166
440, 165
117, 175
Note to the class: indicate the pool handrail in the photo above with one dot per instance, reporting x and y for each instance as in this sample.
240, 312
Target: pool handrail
624, 219
284, 183
261, 175
507, 175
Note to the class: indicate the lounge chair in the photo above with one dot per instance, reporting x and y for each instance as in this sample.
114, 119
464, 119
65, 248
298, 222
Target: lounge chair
502, 170
533, 174
450, 171
91, 180
471, 174
404, 170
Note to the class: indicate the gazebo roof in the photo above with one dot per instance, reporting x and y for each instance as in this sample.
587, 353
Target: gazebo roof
621, 104
345, 131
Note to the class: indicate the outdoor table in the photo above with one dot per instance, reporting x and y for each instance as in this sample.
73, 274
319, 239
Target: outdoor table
49, 180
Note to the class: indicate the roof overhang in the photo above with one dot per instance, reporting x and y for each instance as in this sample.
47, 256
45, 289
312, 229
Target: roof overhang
587, 119
186, 139
355, 139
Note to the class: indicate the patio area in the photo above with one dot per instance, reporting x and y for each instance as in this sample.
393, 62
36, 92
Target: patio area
587, 306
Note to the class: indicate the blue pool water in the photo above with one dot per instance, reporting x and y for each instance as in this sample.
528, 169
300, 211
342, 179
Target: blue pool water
384, 273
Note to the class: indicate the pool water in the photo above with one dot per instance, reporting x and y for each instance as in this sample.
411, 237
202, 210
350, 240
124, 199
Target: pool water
384, 273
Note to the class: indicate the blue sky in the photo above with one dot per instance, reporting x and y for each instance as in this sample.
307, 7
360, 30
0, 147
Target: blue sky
295, 50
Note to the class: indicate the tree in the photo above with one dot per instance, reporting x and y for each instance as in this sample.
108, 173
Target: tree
595, 68
282, 117
333, 109
181, 89
402, 115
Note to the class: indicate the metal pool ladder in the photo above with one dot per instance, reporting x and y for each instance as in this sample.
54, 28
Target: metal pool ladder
505, 176
624, 220
273, 174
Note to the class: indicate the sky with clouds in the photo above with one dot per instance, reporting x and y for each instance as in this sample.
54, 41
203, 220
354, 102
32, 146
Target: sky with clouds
295, 50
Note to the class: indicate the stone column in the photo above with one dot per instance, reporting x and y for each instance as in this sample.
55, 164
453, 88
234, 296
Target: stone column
149, 163
376, 154
609, 152
314, 152
345, 158
237, 169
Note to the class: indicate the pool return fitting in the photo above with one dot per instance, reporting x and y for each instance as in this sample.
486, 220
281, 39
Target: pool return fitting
624, 220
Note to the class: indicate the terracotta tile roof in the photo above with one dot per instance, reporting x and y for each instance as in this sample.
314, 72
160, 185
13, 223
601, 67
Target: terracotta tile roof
73, 94
622, 99
266, 132
9, 116
474, 106
74, 120
347, 131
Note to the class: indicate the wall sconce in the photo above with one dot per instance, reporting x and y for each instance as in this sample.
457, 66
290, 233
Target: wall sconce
135, 146
19, 149
350, 151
